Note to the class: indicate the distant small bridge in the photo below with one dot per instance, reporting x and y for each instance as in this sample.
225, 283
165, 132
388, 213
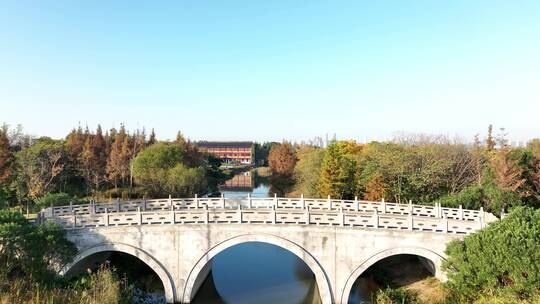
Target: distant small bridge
337, 239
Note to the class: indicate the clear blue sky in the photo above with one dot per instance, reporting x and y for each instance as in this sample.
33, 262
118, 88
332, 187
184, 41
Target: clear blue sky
269, 70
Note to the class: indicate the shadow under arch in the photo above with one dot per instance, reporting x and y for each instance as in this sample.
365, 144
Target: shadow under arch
320, 276
430, 255
146, 258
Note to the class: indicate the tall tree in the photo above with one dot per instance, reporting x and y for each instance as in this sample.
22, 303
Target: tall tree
118, 161
490, 142
6, 156
42, 167
94, 160
339, 171
507, 174
282, 159
152, 138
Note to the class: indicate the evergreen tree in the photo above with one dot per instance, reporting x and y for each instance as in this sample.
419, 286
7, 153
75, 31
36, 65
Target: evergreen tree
152, 139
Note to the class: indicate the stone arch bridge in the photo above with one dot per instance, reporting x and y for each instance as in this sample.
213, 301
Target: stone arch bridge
337, 239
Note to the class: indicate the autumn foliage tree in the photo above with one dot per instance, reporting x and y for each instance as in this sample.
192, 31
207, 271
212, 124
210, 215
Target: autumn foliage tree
6, 156
282, 159
339, 171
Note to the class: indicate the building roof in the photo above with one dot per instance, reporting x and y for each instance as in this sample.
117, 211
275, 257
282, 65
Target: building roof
225, 144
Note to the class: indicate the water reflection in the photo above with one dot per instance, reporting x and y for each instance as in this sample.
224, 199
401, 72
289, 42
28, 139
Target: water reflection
245, 183
259, 273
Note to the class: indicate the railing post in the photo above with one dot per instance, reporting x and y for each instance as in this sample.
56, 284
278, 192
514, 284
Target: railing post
482, 214
206, 216
308, 215
480, 224
117, 204
356, 204
139, 216
329, 201
170, 200
375, 218
93, 208
445, 223
273, 214
143, 204
275, 200
249, 201
410, 222
302, 202
196, 201
383, 204
70, 206
411, 209
106, 217
222, 200
239, 213
460, 212
341, 216
74, 219
439, 210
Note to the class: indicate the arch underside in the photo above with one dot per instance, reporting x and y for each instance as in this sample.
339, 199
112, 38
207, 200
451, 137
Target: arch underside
202, 266
431, 256
146, 258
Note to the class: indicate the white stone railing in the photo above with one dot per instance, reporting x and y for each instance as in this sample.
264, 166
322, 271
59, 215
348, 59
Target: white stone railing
299, 211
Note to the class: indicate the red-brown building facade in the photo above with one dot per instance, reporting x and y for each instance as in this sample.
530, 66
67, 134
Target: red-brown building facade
240, 152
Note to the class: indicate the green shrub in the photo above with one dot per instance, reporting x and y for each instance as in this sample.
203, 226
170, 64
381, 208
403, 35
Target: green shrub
489, 196
503, 259
395, 296
54, 199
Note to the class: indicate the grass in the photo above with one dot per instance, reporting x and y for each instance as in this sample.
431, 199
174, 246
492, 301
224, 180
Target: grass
102, 286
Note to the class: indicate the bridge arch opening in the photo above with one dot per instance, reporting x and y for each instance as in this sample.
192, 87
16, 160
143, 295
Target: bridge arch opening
257, 269
407, 267
144, 272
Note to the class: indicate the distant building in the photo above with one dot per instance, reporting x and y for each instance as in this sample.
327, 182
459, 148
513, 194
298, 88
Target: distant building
239, 152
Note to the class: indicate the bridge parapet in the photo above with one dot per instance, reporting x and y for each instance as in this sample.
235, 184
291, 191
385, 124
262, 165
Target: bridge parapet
297, 211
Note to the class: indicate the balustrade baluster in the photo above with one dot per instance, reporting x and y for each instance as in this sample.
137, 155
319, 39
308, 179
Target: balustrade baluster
222, 201
239, 212
329, 202
445, 223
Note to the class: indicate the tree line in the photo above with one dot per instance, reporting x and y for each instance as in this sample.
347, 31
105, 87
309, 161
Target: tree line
98, 164
425, 169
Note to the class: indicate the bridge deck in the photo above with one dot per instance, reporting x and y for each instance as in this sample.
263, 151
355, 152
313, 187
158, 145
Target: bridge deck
297, 211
